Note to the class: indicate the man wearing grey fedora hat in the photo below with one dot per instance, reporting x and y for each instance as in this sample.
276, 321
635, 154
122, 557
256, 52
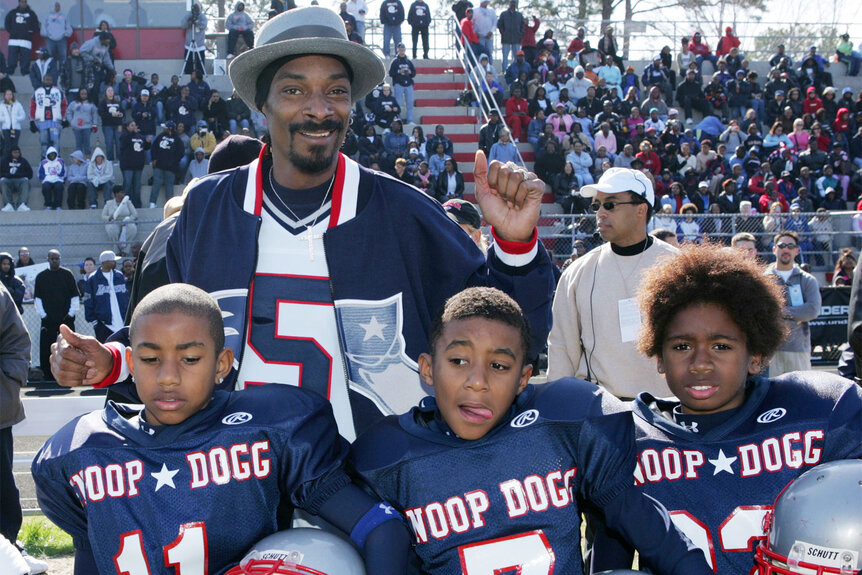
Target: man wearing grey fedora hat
335, 271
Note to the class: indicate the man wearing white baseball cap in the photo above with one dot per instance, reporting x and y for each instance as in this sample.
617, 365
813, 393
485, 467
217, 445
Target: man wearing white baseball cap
596, 317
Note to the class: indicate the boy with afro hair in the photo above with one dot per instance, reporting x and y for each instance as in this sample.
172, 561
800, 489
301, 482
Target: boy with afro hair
719, 453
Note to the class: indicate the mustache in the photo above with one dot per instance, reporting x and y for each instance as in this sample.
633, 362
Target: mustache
326, 125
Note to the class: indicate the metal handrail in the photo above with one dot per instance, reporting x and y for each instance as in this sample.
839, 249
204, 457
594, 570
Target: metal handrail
476, 81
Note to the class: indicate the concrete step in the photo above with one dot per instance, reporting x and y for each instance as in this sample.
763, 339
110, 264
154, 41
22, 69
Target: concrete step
448, 119
464, 152
465, 146
447, 110
464, 157
424, 70
441, 77
470, 138
440, 86
422, 102
451, 95
465, 140
462, 132
76, 233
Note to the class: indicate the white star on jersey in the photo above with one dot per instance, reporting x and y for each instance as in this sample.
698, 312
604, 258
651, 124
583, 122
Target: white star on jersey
723, 463
165, 477
373, 329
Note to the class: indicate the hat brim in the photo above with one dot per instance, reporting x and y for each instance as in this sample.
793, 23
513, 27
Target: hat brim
591, 190
366, 67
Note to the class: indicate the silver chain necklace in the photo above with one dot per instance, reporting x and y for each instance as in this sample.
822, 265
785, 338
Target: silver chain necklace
308, 236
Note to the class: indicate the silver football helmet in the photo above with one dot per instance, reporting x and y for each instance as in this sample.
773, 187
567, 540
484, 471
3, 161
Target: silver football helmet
301, 551
815, 527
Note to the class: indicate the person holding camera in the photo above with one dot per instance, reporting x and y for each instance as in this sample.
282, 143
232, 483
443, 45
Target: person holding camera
195, 24
203, 138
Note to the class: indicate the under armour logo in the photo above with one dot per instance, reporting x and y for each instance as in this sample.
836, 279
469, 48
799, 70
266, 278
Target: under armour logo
529, 417
772, 415
690, 425
386, 508
237, 418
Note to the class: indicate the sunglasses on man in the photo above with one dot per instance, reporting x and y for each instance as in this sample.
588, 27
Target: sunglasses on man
609, 206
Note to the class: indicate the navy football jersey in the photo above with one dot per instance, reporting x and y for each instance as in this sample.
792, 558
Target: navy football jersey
719, 485
190, 498
505, 503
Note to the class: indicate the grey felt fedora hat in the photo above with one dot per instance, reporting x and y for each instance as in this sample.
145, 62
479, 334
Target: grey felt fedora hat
305, 31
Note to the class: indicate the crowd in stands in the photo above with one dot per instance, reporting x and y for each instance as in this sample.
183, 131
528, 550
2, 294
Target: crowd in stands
788, 139
121, 121
789, 142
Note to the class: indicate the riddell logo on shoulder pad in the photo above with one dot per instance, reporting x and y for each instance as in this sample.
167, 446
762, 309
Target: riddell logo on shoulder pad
529, 417
772, 415
237, 418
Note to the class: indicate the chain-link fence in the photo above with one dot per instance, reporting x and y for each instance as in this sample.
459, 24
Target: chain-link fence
75, 240
34, 327
822, 236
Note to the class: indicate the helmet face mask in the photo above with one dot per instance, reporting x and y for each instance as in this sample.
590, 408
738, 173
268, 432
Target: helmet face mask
769, 563
273, 567
815, 527
301, 551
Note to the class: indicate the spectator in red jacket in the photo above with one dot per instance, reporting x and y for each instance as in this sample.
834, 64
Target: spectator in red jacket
577, 43
649, 158
842, 122
468, 33
727, 42
823, 140
811, 103
517, 115
528, 40
769, 196
701, 52
757, 183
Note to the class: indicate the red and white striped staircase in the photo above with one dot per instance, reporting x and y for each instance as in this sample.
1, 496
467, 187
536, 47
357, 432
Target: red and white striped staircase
437, 86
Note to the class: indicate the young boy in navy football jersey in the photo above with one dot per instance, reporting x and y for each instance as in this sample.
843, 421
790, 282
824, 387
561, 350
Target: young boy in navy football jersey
720, 452
192, 481
489, 471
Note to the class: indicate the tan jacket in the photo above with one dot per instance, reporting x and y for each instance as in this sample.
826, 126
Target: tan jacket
585, 340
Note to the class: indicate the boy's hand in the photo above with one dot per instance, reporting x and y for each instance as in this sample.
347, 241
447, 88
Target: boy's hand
509, 196
79, 359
